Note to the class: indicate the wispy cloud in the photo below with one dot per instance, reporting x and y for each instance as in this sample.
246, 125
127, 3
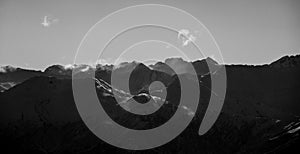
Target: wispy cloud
186, 37
47, 21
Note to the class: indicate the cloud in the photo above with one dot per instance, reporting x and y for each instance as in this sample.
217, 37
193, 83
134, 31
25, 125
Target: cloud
47, 21
185, 37
184, 32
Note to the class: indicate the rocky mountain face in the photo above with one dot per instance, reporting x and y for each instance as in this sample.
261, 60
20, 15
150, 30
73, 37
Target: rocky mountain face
261, 112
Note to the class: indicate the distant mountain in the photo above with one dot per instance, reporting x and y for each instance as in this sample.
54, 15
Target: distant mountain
59, 70
16, 75
11, 76
287, 62
261, 113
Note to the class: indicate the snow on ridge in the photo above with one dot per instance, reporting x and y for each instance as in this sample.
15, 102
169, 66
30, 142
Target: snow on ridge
294, 130
8, 68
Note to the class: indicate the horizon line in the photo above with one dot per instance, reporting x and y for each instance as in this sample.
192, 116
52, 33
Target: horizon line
228, 64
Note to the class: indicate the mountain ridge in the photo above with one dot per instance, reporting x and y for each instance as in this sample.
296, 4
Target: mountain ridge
17, 75
287, 58
260, 112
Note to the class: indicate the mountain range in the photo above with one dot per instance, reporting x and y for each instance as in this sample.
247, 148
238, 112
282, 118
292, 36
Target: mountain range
261, 111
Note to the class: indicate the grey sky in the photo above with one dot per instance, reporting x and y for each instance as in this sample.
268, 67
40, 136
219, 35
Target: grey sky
248, 32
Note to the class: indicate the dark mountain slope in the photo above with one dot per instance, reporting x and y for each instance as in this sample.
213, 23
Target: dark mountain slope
260, 113
17, 75
44, 99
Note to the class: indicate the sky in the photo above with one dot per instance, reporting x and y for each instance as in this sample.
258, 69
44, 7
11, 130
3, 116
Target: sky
247, 31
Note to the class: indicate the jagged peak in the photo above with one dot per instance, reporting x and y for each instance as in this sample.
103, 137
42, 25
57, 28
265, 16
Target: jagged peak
287, 61
207, 60
211, 60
